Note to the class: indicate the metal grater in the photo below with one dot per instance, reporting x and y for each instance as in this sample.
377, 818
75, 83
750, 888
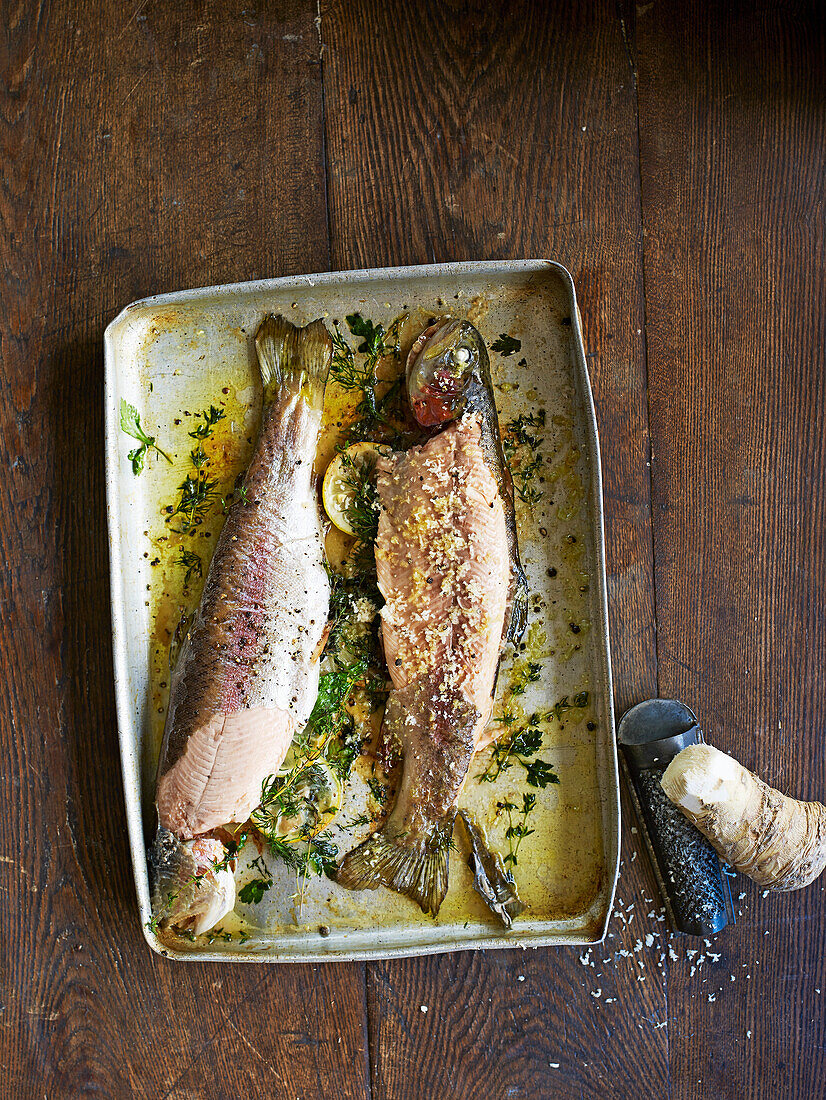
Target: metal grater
694, 889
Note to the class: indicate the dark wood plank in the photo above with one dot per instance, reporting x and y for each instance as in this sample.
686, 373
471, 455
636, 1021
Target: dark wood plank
733, 131
468, 131
146, 147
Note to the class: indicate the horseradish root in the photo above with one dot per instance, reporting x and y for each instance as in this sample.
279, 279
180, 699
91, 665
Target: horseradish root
775, 840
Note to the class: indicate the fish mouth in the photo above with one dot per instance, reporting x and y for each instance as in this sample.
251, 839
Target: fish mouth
441, 363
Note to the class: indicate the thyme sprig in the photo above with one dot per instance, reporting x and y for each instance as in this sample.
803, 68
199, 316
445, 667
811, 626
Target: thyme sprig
516, 833
211, 416
522, 450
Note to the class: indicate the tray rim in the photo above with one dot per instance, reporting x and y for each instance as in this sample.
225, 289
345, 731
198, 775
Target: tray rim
125, 713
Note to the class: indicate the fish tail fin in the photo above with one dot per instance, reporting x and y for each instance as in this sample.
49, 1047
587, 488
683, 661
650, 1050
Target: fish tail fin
292, 359
419, 871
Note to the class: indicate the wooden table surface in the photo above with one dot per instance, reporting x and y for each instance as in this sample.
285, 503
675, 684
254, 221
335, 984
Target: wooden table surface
672, 157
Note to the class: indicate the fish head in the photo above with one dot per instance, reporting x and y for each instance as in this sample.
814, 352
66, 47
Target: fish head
193, 882
441, 364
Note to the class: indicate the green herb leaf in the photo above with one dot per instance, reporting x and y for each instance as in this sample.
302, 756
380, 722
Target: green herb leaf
506, 345
540, 774
254, 891
372, 335
130, 423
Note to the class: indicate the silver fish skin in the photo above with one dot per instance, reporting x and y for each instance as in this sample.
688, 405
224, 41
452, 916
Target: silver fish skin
247, 675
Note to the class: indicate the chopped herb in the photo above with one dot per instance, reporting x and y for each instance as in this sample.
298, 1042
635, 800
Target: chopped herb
130, 422
219, 934
380, 791
506, 345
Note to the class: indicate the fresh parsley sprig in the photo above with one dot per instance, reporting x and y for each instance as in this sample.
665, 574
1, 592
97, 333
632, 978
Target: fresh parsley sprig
130, 423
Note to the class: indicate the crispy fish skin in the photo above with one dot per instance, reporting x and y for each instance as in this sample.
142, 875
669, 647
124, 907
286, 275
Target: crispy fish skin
443, 568
247, 675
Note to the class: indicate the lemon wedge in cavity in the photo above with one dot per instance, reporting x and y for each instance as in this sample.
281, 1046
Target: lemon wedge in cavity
337, 491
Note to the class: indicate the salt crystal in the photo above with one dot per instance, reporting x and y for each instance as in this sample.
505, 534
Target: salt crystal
596, 993
424, 1008
748, 1034
649, 939
554, 1065
521, 978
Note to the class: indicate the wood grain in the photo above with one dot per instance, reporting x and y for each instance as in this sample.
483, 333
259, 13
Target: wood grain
146, 147
676, 166
733, 132
482, 131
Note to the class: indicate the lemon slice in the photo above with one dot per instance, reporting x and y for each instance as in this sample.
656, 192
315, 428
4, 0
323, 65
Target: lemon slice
337, 491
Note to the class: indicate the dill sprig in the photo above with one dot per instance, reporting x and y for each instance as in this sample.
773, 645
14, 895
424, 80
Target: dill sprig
192, 563
381, 411
362, 509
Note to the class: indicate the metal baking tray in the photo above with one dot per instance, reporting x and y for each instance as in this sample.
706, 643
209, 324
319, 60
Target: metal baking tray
179, 352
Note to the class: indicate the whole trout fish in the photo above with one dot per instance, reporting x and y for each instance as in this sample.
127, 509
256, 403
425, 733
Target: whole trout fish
247, 676
448, 566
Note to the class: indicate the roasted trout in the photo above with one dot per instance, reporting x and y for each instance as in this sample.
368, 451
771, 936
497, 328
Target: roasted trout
448, 374
247, 675
448, 566
444, 571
